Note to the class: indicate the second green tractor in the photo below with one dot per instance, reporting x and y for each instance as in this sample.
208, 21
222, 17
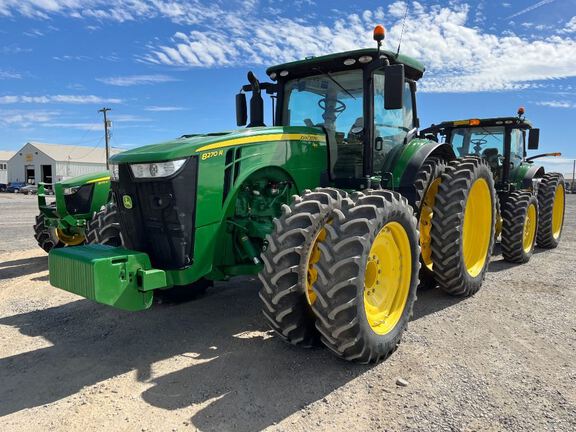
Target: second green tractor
531, 201
331, 205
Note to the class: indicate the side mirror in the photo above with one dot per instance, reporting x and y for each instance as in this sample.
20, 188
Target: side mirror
533, 139
241, 110
394, 87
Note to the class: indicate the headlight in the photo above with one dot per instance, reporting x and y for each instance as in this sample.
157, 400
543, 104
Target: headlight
156, 169
114, 176
71, 190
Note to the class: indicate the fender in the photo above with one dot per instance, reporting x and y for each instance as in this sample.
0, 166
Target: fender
410, 161
522, 176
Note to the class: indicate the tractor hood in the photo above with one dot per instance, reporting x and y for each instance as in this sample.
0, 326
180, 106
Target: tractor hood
189, 145
86, 178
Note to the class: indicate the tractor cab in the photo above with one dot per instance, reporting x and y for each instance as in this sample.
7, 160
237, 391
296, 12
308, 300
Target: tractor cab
363, 101
503, 141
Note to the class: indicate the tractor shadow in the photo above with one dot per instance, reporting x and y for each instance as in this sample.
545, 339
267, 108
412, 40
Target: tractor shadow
433, 300
245, 379
20, 267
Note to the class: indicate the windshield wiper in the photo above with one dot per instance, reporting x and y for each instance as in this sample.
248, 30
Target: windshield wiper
334, 81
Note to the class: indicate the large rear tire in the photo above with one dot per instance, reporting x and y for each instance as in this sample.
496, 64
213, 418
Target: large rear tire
551, 200
104, 228
464, 226
288, 273
519, 225
367, 277
427, 184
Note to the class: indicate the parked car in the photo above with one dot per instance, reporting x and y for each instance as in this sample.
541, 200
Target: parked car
15, 187
3, 187
29, 190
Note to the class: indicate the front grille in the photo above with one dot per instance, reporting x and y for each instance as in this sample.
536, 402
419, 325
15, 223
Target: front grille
161, 220
80, 201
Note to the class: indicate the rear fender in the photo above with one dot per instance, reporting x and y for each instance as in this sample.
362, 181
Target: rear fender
523, 175
412, 159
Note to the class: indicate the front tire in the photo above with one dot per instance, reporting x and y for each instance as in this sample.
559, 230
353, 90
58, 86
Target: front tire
368, 277
104, 227
551, 200
45, 235
464, 226
288, 273
519, 225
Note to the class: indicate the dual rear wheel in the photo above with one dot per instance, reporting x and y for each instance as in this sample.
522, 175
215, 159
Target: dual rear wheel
345, 272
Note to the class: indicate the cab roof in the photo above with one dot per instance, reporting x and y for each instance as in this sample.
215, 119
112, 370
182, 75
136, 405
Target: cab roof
486, 122
413, 68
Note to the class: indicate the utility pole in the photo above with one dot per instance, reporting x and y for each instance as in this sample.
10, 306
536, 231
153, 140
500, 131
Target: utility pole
106, 134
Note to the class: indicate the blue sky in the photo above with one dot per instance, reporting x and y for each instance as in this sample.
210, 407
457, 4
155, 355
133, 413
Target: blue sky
169, 67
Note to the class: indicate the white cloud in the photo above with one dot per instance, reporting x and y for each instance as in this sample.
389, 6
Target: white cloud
80, 126
459, 58
570, 26
6, 74
557, 104
54, 99
25, 118
155, 108
531, 8
132, 80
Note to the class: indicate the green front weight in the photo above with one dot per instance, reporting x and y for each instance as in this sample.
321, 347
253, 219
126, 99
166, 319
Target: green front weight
109, 275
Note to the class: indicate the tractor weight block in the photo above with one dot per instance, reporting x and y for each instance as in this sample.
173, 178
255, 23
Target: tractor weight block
109, 275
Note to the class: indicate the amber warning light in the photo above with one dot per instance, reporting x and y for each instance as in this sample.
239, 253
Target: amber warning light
379, 33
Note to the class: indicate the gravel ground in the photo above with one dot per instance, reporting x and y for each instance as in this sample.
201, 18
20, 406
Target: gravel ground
504, 360
18, 215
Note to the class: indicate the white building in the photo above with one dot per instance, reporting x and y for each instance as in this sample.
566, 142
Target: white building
4, 158
50, 163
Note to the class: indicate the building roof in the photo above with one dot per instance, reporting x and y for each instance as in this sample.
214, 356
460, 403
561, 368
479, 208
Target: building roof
5, 155
71, 153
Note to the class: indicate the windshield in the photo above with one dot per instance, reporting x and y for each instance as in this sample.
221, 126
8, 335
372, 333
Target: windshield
487, 142
335, 102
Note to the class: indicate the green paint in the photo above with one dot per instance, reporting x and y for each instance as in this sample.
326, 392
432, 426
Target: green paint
111, 276
58, 216
244, 177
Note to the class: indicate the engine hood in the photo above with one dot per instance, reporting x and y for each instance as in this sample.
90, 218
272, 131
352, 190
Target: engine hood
189, 145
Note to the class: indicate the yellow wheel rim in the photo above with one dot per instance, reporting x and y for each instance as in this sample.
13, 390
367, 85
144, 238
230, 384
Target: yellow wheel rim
425, 223
312, 258
387, 278
558, 211
477, 227
69, 240
529, 228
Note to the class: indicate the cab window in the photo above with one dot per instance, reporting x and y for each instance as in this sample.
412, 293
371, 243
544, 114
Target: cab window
390, 126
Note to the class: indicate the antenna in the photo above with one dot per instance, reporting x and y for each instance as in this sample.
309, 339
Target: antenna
403, 26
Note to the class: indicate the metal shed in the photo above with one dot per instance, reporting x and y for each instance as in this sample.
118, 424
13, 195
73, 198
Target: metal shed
4, 158
41, 162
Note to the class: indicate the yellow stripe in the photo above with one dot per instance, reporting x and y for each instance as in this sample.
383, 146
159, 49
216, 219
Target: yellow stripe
99, 179
262, 138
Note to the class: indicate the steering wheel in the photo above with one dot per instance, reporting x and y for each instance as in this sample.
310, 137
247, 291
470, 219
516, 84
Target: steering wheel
478, 143
340, 106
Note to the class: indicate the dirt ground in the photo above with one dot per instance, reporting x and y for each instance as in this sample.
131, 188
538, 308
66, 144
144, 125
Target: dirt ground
504, 360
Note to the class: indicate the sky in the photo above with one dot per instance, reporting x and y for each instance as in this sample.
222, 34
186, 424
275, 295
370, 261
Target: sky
171, 67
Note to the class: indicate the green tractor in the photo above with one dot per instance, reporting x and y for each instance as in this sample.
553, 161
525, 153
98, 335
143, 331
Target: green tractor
531, 210
68, 221
325, 205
